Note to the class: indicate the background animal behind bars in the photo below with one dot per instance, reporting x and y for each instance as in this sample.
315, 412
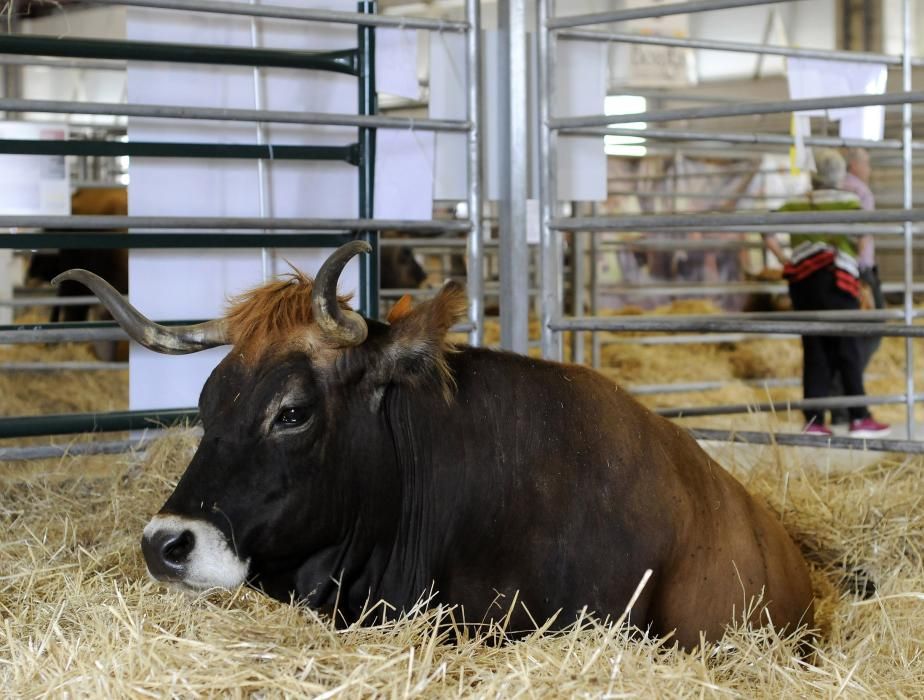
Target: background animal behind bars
400, 268
346, 461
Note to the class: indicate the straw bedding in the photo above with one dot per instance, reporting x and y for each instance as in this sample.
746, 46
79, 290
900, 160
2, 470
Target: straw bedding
64, 391
81, 619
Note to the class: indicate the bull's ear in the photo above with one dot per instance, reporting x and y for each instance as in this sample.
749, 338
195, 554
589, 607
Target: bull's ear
400, 309
417, 339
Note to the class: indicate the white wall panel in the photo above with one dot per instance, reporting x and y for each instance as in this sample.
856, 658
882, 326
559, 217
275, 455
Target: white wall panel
197, 284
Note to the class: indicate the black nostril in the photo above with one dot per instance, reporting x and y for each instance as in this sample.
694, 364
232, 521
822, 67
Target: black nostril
175, 550
166, 553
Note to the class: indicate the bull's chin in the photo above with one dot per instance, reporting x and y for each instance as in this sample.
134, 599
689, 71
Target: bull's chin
193, 589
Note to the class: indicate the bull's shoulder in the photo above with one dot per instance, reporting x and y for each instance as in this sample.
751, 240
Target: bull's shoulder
507, 371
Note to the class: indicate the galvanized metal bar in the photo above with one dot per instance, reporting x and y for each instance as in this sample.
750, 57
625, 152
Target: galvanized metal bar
514, 177
697, 222
28, 336
436, 244
97, 447
302, 14
693, 339
733, 46
850, 229
230, 223
780, 406
228, 114
594, 295
492, 289
82, 331
550, 254
89, 332
753, 437
696, 387
49, 301
117, 241
348, 153
752, 138
672, 244
63, 366
34, 44
870, 316
68, 424
908, 203
578, 277
737, 110
723, 172
117, 66
264, 200
722, 325
475, 243
730, 288
649, 11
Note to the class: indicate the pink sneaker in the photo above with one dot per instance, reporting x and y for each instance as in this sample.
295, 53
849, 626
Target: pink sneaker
817, 429
868, 428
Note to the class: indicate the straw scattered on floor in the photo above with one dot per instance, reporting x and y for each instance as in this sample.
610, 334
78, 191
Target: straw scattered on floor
80, 617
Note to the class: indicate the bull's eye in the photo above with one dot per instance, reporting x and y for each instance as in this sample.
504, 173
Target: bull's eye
292, 417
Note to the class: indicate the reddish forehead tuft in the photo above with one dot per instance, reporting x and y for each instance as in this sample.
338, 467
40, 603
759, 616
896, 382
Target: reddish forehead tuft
272, 312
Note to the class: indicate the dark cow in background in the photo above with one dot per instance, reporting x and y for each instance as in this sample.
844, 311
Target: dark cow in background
111, 265
398, 267
346, 461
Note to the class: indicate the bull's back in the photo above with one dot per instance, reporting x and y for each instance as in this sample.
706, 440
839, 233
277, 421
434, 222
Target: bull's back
613, 489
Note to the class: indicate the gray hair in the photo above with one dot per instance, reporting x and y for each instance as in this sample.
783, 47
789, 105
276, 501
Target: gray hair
830, 169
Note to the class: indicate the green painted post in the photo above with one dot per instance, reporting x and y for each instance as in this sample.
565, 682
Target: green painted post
369, 264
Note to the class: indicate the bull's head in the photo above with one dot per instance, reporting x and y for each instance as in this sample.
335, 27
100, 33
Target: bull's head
295, 479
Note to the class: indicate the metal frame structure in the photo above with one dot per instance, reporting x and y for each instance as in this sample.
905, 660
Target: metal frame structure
551, 29
227, 232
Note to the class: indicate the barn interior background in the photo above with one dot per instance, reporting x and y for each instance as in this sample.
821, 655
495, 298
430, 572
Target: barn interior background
602, 189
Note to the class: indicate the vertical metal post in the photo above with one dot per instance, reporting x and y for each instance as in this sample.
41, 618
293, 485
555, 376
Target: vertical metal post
262, 166
594, 294
907, 202
550, 252
476, 271
514, 260
578, 275
368, 264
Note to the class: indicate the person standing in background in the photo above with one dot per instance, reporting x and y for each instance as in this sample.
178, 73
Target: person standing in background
823, 274
857, 181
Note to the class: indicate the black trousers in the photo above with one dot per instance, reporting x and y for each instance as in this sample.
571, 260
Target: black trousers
823, 357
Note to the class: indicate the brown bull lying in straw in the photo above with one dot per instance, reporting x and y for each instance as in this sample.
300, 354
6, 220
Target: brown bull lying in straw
346, 460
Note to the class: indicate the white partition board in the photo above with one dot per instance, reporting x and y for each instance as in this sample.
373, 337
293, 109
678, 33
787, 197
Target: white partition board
188, 284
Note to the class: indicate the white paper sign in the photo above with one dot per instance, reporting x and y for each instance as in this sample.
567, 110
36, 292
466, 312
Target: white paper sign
657, 66
396, 62
812, 77
34, 184
580, 88
404, 167
448, 101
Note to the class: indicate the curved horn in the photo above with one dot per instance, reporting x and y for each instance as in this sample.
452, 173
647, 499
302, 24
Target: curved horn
341, 327
171, 340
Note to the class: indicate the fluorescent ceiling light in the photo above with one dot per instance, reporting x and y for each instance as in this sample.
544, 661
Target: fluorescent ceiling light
625, 145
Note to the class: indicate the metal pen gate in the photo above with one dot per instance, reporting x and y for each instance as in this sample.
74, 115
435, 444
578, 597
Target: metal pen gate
232, 232
552, 29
